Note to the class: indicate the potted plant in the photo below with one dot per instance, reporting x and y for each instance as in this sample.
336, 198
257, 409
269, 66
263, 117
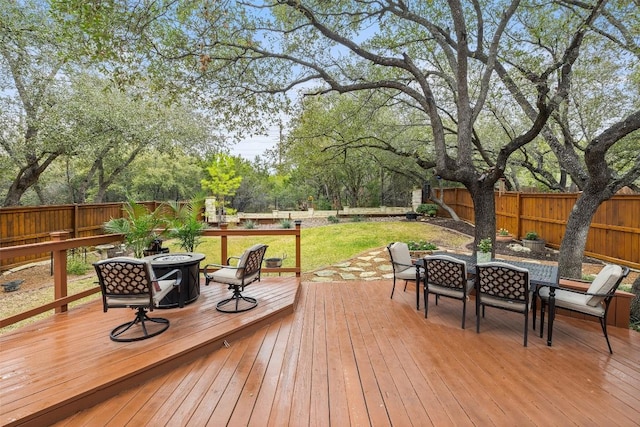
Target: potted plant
420, 248
484, 250
533, 242
503, 235
186, 225
138, 225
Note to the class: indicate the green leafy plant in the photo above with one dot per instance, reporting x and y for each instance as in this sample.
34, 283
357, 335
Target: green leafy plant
531, 235
76, 265
485, 245
357, 218
286, 223
138, 225
333, 219
503, 232
430, 209
249, 224
186, 225
421, 245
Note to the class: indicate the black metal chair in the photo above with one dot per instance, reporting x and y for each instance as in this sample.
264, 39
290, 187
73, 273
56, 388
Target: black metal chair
502, 286
594, 302
131, 283
446, 276
246, 271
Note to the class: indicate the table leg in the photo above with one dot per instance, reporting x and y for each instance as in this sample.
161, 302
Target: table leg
552, 313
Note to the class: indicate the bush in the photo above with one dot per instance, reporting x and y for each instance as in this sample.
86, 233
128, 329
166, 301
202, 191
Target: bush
286, 223
421, 245
357, 218
249, 224
430, 209
333, 219
76, 265
531, 235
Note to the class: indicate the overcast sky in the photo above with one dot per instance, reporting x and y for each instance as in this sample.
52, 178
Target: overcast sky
249, 148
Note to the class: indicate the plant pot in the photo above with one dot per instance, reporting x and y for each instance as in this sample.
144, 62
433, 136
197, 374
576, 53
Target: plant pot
273, 262
534, 245
411, 216
482, 257
419, 254
504, 239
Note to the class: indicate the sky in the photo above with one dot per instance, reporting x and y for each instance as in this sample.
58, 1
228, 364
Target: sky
254, 146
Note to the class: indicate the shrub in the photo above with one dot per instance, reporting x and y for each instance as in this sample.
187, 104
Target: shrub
485, 245
427, 208
286, 223
503, 232
421, 245
531, 235
333, 219
357, 218
249, 224
76, 265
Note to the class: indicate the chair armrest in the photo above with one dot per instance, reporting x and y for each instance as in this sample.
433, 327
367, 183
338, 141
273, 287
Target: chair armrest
217, 267
232, 257
177, 272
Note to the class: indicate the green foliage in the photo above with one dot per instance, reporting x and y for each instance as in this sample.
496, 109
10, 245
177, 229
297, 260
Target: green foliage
503, 232
531, 235
421, 245
485, 245
286, 223
333, 219
224, 180
138, 225
76, 265
249, 224
358, 218
186, 225
427, 209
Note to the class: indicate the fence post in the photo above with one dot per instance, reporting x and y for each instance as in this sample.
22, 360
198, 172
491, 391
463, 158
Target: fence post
60, 269
223, 243
298, 246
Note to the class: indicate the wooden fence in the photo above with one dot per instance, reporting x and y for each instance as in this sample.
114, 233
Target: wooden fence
614, 234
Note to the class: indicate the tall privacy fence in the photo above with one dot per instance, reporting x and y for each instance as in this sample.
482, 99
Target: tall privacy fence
614, 234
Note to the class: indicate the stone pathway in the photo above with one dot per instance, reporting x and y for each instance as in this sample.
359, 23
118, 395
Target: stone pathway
373, 265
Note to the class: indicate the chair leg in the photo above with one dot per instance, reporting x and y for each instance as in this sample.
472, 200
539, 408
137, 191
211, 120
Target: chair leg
406, 282
394, 287
234, 301
603, 324
140, 319
464, 310
534, 308
542, 307
526, 326
426, 302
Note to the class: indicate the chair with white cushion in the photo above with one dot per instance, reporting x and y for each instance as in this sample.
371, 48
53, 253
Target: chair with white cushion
131, 283
502, 286
446, 276
237, 277
594, 302
403, 266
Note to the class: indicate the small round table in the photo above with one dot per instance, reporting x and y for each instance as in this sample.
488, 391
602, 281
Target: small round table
189, 264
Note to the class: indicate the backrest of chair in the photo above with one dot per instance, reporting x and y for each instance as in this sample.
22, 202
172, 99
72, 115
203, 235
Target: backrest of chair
125, 277
504, 281
251, 260
606, 282
399, 254
443, 270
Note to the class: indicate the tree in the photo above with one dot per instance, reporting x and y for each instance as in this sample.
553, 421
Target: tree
33, 54
223, 181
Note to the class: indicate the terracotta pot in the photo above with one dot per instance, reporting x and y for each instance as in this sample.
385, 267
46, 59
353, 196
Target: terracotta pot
504, 239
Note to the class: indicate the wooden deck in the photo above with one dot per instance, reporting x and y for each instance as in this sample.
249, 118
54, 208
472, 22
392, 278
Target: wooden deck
347, 355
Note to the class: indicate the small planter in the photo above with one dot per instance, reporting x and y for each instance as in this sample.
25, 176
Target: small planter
411, 216
534, 245
12, 286
273, 262
419, 254
503, 238
482, 257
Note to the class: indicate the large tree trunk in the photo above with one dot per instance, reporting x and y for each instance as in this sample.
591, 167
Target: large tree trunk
576, 233
26, 178
484, 208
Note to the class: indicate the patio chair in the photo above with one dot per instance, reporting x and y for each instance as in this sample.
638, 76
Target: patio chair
403, 266
131, 283
594, 302
446, 276
246, 271
502, 286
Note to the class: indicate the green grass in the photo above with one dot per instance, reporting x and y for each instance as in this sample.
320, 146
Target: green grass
326, 245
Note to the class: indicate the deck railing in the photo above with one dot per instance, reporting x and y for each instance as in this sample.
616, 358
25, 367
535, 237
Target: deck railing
60, 243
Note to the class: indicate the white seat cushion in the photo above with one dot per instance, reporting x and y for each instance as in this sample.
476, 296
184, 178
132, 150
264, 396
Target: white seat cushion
573, 301
229, 276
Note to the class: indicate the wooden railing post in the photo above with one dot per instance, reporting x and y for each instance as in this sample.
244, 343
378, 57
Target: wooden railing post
223, 244
60, 269
298, 224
